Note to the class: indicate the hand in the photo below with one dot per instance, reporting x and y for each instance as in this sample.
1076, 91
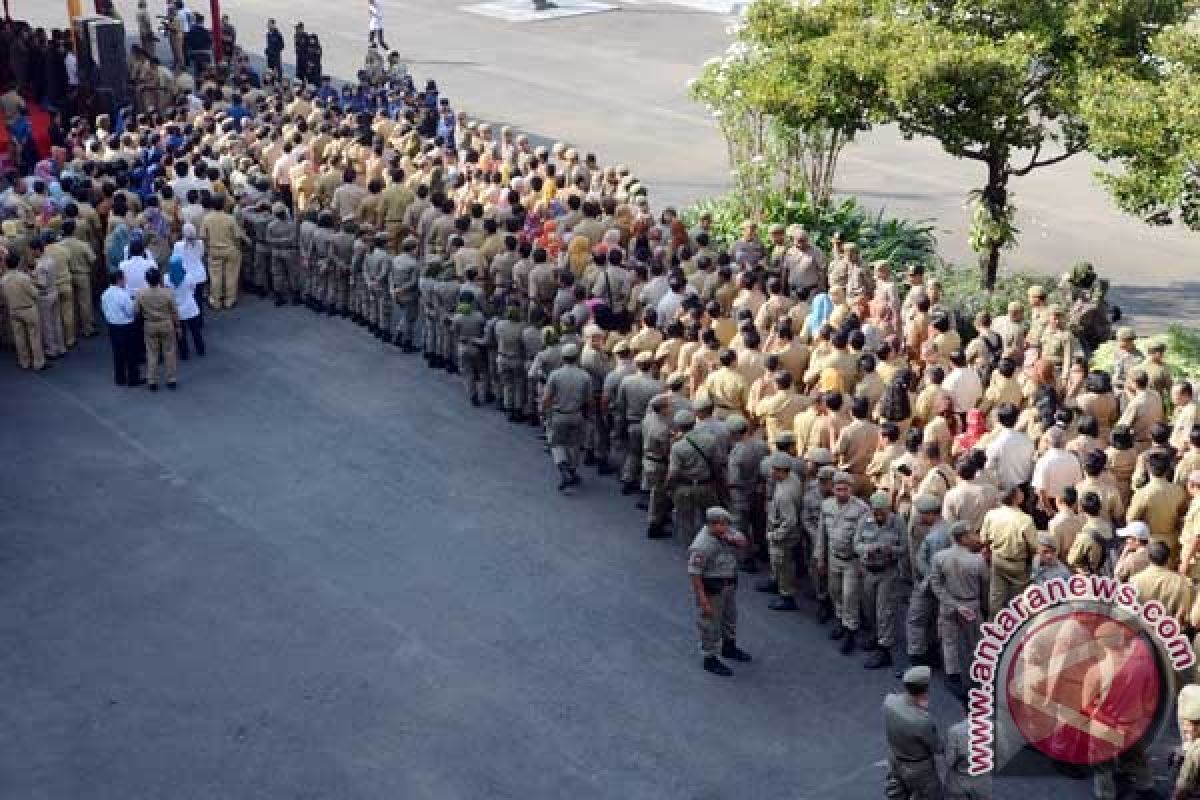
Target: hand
706, 609
968, 614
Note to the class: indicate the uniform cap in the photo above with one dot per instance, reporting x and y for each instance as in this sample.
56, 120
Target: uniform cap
1137, 374
1014, 306
621, 348
278, 208
779, 460
880, 501
1057, 310
776, 228
1036, 291
820, 455
1126, 334
844, 478
826, 473
676, 381
958, 528
717, 514
684, 419
703, 403
1157, 347
592, 329
1047, 540
263, 204
1137, 529
737, 423
570, 350
918, 676
1189, 702
785, 439
927, 504
643, 358
409, 243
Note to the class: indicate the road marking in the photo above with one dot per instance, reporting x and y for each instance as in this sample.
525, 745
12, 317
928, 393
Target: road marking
522, 10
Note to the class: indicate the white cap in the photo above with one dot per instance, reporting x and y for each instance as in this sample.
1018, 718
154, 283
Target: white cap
1136, 529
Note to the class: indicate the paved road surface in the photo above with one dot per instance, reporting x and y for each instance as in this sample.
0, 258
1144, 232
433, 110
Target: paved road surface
314, 571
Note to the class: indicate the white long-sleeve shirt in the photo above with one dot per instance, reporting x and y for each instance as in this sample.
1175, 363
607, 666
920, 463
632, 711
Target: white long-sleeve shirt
117, 306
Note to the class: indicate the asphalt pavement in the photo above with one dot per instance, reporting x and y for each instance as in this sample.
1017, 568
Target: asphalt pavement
316, 572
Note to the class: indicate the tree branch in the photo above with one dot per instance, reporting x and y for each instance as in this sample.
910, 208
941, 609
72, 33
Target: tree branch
1034, 164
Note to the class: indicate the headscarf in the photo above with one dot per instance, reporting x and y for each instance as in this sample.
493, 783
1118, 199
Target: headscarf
118, 241
189, 230
579, 256
818, 313
976, 428
44, 170
175, 271
896, 405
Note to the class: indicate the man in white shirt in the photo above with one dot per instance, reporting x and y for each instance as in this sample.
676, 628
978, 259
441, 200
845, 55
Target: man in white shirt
671, 302
117, 306
133, 268
1011, 453
1057, 469
963, 384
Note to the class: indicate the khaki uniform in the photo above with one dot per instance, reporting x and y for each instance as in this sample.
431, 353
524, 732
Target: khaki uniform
715, 562
835, 546
1013, 540
66, 292
20, 301
656, 455
1160, 504
403, 281
728, 390
510, 362
45, 277
854, 449
287, 277
784, 532
570, 390
82, 260
629, 407
160, 321
912, 744
1141, 414
777, 412
693, 469
922, 603
222, 237
960, 784
959, 580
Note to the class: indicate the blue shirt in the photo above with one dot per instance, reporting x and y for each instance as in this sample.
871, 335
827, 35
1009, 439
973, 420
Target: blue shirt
117, 306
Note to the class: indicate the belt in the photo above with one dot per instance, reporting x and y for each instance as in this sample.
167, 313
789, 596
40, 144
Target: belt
912, 760
706, 482
21, 308
655, 459
727, 407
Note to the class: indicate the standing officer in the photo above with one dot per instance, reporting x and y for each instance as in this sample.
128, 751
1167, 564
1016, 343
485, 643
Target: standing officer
783, 531
403, 281
281, 241
656, 454
510, 361
691, 474
840, 518
818, 488
744, 478
596, 363
274, 49
376, 267
958, 576
712, 567
633, 395
222, 240
45, 276
608, 397
877, 543
927, 534
81, 258
566, 402
1009, 533
20, 298
160, 319
912, 741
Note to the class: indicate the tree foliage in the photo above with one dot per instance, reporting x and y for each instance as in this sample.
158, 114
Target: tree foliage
1001, 82
1151, 126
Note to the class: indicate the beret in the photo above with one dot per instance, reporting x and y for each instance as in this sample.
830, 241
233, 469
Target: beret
927, 504
737, 423
826, 473
820, 455
685, 418
917, 676
717, 514
880, 501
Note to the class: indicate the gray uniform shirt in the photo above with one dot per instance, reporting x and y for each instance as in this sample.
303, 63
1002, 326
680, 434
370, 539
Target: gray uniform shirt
569, 388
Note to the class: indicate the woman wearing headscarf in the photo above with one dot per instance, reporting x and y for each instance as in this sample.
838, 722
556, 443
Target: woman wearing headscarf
184, 289
191, 250
976, 429
579, 255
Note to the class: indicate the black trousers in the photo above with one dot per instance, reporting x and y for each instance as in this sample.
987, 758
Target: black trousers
195, 328
125, 353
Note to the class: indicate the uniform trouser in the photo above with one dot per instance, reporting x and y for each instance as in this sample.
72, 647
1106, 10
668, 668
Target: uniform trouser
396, 232
721, 626
818, 578
66, 307
340, 288
566, 437
956, 634
690, 504
429, 331
224, 268
382, 299
512, 382
51, 321
191, 327
960, 786
531, 392
1133, 764
742, 506
285, 273
27, 337
403, 317
81, 283
654, 478
125, 353
446, 343
879, 604
922, 611
262, 267
601, 440
1009, 579
912, 780
783, 565
631, 467
473, 366
845, 589
160, 343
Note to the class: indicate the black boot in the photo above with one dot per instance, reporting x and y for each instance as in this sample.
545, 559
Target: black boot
565, 474
769, 586
868, 643
749, 566
629, 487
489, 398
713, 664
783, 604
475, 400
642, 505
589, 459
848, 643
451, 368
604, 468
880, 658
657, 531
575, 479
824, 612
838, 631
280, 301
731, 651
296, 298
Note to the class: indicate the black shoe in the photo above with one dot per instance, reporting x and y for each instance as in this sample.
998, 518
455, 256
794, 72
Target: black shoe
136, 383
848, 643
657, 532
172, 385
575, 479
565, 479
868, 644
451, 368
474, 400
880, 657
731, 651
838, 632
184, 356
331, 311
589, 459
279, 301
954, 683
489, 398
296, 299
769, 586
824, 613
713, 664
628, 488
749, 566
154, 387
408, 348
534, 421
603, 468
517, 417
642, 505
783, 604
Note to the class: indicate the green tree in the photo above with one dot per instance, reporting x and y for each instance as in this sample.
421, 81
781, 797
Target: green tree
1151, 127
996, 81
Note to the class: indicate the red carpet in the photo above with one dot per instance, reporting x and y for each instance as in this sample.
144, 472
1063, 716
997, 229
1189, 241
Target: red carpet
40, 121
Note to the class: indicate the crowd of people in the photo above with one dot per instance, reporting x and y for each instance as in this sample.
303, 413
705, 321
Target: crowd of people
779, 407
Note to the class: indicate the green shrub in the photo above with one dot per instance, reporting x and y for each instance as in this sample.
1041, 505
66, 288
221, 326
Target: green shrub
1182, 356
